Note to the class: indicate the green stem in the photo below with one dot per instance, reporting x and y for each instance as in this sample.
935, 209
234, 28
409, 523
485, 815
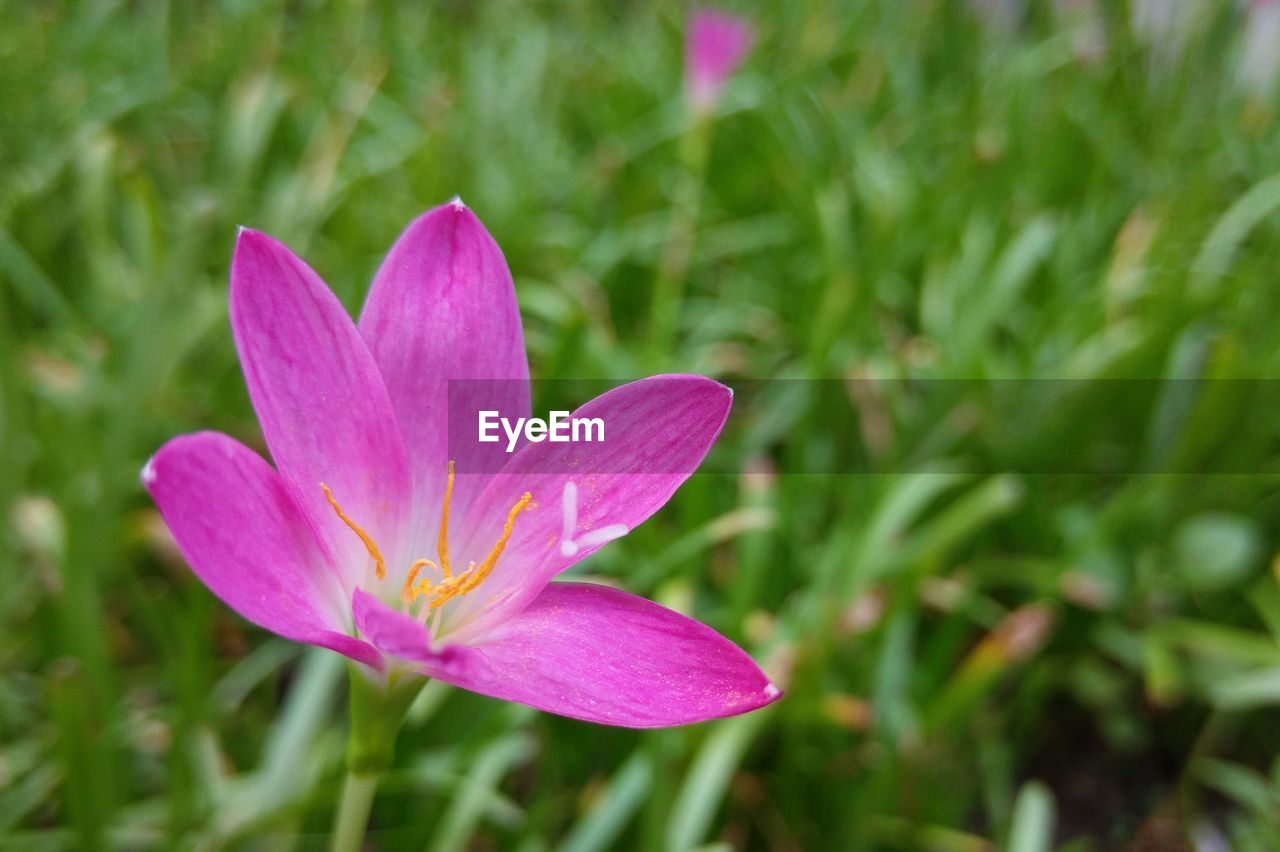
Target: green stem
378, 709
673, 266
353, 811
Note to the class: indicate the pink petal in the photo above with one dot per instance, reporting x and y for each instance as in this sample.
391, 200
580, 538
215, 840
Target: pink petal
601, 655
443, 307
398, 635
657, 432
323, 407
239, 529
715, 45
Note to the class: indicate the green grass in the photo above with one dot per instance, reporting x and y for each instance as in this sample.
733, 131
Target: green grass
978, 656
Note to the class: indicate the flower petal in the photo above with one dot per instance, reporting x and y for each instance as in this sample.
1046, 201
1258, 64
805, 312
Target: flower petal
443, 307
715, 46
242, 534
323, 407
602, 655
399, 635
657, 431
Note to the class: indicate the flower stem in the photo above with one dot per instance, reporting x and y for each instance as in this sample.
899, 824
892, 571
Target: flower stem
353, 811
673, 265
378, 709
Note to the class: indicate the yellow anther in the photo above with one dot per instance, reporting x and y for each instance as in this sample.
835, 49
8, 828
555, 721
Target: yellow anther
380, 565
445, 590
450, 585
442, 541
407, 593
453, 586
492, 559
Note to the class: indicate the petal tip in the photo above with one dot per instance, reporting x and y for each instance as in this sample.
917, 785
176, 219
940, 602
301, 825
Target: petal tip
719, 394
771, 693
148, 473
432, 227
247, 235
251, 248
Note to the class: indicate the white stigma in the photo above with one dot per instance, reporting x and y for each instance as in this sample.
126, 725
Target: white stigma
570, 546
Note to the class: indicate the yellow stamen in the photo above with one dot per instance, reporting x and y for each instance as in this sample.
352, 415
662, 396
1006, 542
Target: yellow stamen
406, 591
451, 585
467, 581
441, 591
380, 565
442, 541
492, 559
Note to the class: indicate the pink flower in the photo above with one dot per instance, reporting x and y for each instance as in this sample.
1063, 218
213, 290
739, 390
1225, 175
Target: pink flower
715, 45
372, 536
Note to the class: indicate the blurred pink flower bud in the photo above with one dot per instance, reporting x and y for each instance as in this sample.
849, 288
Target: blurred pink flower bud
715, 46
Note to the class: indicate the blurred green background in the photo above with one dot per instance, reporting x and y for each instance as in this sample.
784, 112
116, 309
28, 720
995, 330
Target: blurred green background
975, 658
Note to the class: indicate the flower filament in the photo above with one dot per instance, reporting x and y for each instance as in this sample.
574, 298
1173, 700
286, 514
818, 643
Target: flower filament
450, 585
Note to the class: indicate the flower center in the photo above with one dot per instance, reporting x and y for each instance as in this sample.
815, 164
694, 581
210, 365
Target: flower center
451, 585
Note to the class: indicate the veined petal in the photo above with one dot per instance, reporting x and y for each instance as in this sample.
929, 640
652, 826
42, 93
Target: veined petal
401, 636
443, 307
323, 407
601, 655
239, 529
657, 431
